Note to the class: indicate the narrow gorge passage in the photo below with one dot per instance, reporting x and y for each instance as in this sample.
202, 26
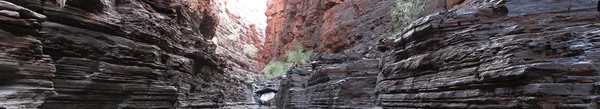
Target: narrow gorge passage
299, 54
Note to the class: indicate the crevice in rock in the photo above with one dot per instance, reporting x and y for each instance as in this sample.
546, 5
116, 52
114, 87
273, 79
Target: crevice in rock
208, 26
91, 6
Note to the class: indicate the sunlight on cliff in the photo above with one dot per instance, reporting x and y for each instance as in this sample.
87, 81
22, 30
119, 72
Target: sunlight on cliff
241, 24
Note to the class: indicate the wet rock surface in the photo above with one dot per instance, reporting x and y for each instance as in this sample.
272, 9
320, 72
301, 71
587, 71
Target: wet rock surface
539, 54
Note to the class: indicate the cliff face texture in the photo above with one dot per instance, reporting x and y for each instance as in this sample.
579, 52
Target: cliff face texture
341, 80
183, 54
345, 31
112, 54
240, 33
26, 73
532, 54
471, 54
323, 25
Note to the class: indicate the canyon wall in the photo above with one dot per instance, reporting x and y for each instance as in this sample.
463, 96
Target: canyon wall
240, 33
345, 33
25, 71
524, 54
340, 80
461, 54
113, 54
327, 26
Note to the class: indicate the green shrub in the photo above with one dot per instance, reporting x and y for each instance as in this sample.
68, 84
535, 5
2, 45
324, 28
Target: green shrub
250, 50
403, 13
278, 68
275, 69
299, 55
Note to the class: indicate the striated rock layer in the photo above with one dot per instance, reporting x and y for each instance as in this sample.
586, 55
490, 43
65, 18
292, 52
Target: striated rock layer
113, 54
341, 80
240, 33
25, 71
291, 93
327, 26
532, 54
345, 32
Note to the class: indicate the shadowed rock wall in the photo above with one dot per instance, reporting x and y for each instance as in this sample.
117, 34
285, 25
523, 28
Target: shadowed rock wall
113, 54
537, 54
25, 71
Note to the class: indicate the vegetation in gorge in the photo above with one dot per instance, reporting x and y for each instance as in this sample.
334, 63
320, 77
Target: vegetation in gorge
250, 50
403, 13
278, 68
299, 55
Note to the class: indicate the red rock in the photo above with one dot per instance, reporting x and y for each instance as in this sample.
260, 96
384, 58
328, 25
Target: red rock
325, 26
241, 25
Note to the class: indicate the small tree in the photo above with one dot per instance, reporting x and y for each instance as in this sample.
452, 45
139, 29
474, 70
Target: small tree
275, 69
299, 55
278, 68
403, 13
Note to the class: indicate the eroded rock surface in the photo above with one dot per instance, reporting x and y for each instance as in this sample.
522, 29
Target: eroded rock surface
346, 33
240, 33
537, 54
341, 80
113, 54
292, 92
322, 25
25, 71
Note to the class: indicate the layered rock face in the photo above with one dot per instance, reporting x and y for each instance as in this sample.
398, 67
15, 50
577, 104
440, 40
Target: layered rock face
240, 33
292, 90
532, 54
341, 80
345, 33
113, 54
25, 71
323, 25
